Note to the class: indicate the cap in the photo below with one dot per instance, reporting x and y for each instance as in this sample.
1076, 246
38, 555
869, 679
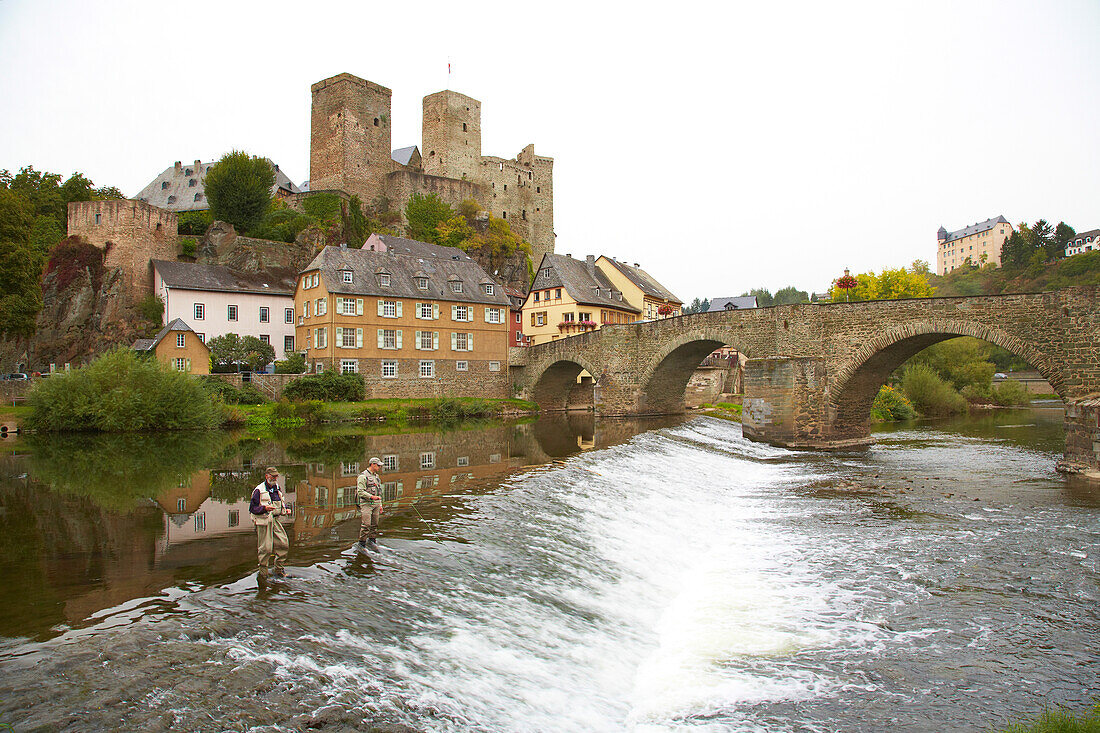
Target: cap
374, 460
271, 471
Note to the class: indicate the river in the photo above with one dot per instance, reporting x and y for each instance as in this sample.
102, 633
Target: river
566, 574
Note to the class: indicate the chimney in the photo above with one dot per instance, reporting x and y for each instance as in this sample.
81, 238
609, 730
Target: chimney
569, 255
637, 265
198, 166
590, 260
179, 166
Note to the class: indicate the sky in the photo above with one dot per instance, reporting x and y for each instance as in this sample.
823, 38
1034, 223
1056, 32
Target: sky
724, 146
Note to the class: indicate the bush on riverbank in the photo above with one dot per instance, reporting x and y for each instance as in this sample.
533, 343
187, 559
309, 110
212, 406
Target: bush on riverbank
230, 395
930, 395
1060, 721
327, 387
1011, 393
121, 392
891, 405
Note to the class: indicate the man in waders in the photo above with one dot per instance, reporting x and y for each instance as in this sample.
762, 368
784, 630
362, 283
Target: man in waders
266, 507
368, 494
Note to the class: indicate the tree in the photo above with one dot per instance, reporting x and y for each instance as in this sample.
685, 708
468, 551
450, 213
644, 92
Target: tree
424, 213
764, 297
454, 232
238, 188
890, 285
1059, 240
790, 295
256, 354
20, 288
226, 352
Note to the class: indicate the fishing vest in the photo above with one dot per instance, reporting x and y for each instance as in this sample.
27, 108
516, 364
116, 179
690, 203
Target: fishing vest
265, 498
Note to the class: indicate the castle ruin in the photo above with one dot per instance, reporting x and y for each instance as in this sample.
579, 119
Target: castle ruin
350, 150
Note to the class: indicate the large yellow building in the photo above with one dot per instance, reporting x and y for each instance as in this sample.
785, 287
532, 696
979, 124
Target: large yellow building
571, 296
977, 244
428, 324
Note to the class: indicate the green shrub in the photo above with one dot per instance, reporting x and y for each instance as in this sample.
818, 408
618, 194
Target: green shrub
194, 222
1060, 721
929, 394
1011, 393
328, 386
294, 364
222, 390
121, 392
446, 410
891, 405
312, 411
151, 309
322, 206
249, 395
974, 393
188, 248
283, 410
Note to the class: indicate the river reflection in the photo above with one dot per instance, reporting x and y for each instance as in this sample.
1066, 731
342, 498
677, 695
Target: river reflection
90, 522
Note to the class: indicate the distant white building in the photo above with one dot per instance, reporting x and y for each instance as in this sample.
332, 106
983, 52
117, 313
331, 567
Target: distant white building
732, 304
183, 187
215, 301
1084, 242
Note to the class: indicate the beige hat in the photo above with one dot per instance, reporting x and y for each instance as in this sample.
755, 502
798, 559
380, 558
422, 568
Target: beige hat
271, 471
374, 460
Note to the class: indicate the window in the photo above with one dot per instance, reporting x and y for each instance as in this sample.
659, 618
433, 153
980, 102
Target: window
200, 311
540, 318
348, 337
181, 340
426, 311
422, 283
345, 276
181, 505
427, 369
202, 337
462, 461
427, 340
289, 315
350, 306
464, 127
191, 183
349, 366
567, 317
265, 314
427, 461
387, 338
288, 344
315, 279
163, 186
494, 366
389, 369
494, 458
180, 364
557, 293
585, 316
519, 318
462, 366
320, 307
536, 296
489, 289
461, 341
320, 338
200, 522
456, 286
198, 197
305, 309
519, 337
231, 313
234, 517
265, 338
390, 462
494, 315
384, 280
389, 309
319, 367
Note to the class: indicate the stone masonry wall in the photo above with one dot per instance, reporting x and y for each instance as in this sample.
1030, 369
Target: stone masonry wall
477, 381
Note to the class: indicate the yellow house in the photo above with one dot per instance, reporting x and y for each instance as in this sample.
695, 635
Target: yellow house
640, 289
179, 347
976, 245
428, 324
571, 296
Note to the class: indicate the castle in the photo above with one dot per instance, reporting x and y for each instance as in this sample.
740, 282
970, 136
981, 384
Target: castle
350, 151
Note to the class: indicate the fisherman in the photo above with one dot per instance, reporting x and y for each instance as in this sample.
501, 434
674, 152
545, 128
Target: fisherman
368, 496
265, 508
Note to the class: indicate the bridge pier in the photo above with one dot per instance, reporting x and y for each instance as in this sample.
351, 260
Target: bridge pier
1082, 438
786, 404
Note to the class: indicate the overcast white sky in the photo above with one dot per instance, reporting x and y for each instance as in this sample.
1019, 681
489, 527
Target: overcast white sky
723, 146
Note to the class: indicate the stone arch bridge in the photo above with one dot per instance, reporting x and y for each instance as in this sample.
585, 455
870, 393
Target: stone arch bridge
813, 370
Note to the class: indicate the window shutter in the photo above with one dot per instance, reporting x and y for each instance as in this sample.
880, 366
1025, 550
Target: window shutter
358, 306
435, 340
469, 342
435, 311
188, 366
454, 341
381, 342
416, 340
486, 315
470, 314
339, 334
358, 338
399, 338
416, 311
398, 308
454, 312
380, 307
316, 338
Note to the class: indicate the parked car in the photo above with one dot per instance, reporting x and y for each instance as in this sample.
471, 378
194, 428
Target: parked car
15, 375
1000, 375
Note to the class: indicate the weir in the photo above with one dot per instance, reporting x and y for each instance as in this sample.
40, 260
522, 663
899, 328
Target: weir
813, 370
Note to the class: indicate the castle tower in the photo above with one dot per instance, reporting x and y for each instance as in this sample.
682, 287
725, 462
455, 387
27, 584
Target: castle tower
350, 136
452, 135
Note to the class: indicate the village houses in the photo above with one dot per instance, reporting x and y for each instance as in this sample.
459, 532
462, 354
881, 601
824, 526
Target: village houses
178, 346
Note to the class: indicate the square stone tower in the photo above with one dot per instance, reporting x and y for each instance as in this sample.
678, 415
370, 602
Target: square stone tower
350, 137
452, 135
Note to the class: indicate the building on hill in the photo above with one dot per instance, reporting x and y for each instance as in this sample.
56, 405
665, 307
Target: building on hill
218, 301
350, 150
571, 296
183, 188
412, 326
1084, 242
640, 289
977, 244
178, 346
731, 304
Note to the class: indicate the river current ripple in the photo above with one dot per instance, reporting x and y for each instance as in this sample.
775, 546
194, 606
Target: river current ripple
686, 579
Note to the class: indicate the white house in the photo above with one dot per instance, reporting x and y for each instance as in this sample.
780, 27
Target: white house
1084, 242
215, 300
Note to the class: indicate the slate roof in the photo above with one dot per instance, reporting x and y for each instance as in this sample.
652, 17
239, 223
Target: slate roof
405, 155
177, 324
580, 281
215, 278
402, 246
172, 189
739, 303
366, 265
645, 281
981, 226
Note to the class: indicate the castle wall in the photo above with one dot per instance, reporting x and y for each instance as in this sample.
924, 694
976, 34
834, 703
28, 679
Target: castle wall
132, 233
521, 191
452, 135
402, 184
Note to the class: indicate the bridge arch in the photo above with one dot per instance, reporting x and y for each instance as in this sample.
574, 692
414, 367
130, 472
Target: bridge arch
853, 386
664, 380
554, 380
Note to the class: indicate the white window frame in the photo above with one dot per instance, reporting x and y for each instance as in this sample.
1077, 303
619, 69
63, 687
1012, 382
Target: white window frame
384, 280
265, 314
231, 312
200, 311
427, 461
181, 340
456, 286
354, 335
390, 462
346, 276
421, 283
349, 366
289, 316
489, 289
427, 369
462, 366
432, 338
494, 366
462, 341
427, 311
389, 309
180, 364
462, 461
461, 313
494, 315
389, 365
387, 341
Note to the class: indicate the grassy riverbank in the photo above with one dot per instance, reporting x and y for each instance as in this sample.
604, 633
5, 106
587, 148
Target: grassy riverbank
1059, 721
446, 410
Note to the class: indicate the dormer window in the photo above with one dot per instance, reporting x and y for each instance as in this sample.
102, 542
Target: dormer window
163, 185
489, 289
422, 283
384, 280
189, 172
456, 286
192, 183
345, 276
